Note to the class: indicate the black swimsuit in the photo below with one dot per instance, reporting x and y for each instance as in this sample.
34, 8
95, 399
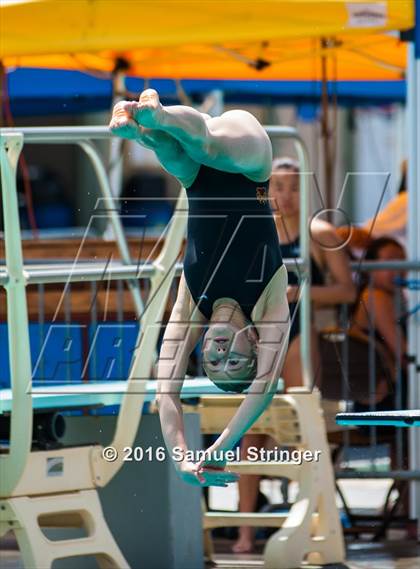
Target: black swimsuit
232, 245
290, 251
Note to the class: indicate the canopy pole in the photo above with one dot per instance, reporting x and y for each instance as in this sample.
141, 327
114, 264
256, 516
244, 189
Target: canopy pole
325, 129
115, 153
413, 121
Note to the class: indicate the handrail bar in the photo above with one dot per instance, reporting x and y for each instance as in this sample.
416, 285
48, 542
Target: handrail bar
68, 273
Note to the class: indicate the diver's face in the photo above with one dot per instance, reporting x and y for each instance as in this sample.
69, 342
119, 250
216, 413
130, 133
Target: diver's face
228, 350
284, 192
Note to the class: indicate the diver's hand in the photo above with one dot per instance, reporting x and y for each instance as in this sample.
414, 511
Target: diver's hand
197, 475
214, 465
212, 458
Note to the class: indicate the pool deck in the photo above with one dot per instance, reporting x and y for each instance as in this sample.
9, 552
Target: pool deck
390, 554
361, 554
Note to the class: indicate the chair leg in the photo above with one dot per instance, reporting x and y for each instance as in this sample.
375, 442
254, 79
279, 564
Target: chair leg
345, 505
389, 514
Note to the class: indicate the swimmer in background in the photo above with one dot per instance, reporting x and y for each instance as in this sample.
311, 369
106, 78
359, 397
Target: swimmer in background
234, 282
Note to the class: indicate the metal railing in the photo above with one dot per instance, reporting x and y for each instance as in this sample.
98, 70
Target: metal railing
68, 325
82, 137
398, 395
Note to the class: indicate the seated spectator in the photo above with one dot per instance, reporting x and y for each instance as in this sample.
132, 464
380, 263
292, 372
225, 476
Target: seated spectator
327, 257
375, 307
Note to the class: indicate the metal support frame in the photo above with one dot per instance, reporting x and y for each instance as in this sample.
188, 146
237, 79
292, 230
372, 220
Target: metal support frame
81, 136
413, 123
305, 265
13, 464
109, 205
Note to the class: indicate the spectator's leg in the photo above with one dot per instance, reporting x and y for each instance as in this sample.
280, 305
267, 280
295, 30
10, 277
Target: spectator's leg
249, 485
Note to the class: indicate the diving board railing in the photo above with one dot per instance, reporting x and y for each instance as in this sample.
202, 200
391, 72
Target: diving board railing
78, 273
161, 271
82, 137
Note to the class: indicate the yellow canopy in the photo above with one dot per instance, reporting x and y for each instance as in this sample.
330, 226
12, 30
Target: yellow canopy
233, 39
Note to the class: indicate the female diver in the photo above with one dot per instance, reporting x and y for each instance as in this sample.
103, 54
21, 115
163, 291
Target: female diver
234, 282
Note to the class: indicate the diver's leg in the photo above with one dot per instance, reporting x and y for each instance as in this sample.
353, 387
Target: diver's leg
171, 155
233, 142
168, 150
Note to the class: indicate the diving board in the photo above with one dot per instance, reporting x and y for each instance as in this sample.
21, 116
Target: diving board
103, 393
407, 418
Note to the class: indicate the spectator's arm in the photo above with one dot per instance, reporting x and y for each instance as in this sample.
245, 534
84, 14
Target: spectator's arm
382, 315
336, 263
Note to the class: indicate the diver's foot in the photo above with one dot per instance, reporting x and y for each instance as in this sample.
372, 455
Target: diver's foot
122, 122
149, 112
149, 138
243, 545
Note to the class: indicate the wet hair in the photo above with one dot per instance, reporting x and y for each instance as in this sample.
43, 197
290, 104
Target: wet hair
285, 163
238, 387
375, 246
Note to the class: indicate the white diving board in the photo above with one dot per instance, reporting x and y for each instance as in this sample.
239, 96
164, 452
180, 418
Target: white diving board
103, 393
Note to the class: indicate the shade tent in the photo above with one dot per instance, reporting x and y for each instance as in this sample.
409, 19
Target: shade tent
274, 52
95, 26
374, 58
259, 40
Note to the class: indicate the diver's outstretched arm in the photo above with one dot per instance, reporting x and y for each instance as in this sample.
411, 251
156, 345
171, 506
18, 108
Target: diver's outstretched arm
181, 335
179, 340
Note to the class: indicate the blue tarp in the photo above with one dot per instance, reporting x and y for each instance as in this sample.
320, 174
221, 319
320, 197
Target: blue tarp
60, 352
48, 91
